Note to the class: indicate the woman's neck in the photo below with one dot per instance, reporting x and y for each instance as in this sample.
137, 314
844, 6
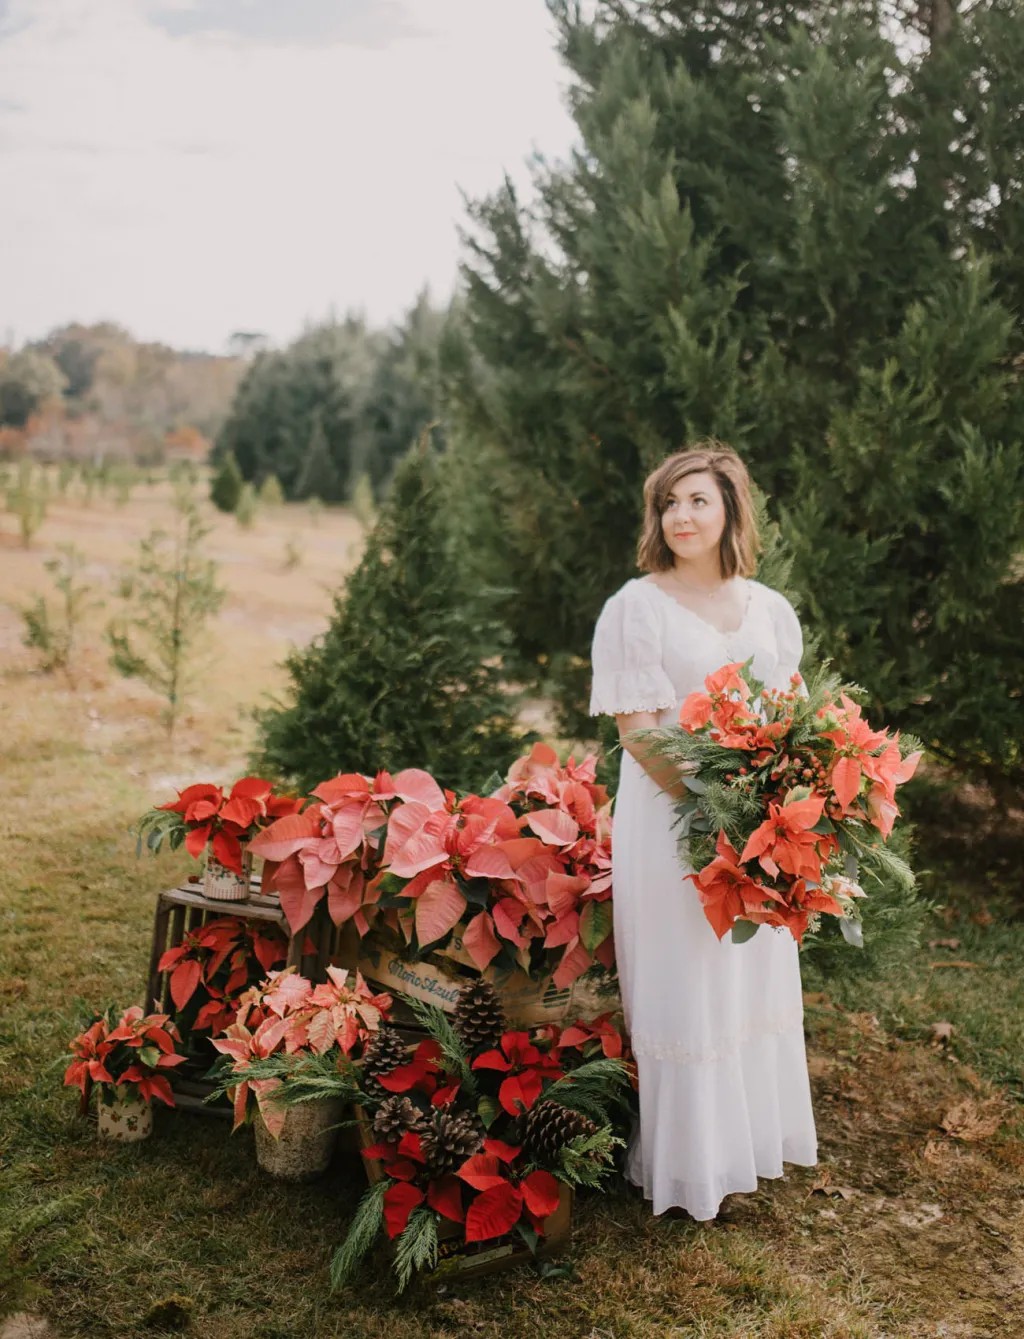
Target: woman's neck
699, 575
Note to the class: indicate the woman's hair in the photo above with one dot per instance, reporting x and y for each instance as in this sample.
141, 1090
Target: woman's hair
740, 542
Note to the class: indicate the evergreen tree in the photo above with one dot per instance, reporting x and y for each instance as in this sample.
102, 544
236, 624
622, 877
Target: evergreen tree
408, 673
793, 227
319, 477
226, 488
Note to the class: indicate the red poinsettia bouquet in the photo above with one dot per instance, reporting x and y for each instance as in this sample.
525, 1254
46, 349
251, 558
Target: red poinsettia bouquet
791, 799
120, 1053
478, 1133
204, 816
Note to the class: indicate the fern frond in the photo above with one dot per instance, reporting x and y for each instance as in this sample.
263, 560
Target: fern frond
587, 1159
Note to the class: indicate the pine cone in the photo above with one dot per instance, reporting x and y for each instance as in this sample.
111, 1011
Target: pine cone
396, 1116
383, 1053
478, 1017
549, 1127
449, 1139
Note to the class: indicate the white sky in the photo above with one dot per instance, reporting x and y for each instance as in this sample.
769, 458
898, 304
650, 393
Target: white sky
189, 168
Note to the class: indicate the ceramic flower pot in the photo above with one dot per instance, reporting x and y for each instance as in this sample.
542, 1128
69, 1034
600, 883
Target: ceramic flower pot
126, 1119
224, 885
303, 1150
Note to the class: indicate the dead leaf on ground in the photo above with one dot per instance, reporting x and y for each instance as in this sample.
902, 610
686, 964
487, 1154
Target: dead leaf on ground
824, 1186
954, 962
939, 1152
819, 998
970, 1120
942, 1033
865, 1023
982, 917
819, 1065
943, 943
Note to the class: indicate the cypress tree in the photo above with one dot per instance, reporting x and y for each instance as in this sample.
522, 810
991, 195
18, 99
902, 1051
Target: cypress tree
408, 672
226, 488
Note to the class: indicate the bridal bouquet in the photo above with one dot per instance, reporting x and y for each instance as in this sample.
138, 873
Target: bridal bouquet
791, 799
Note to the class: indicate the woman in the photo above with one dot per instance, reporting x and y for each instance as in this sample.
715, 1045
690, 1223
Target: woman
717, 1027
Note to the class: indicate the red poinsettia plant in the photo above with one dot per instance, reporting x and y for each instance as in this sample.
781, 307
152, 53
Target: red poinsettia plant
216, 963
205, 817
287, 1015
485, 1138
791, 800
122, 1053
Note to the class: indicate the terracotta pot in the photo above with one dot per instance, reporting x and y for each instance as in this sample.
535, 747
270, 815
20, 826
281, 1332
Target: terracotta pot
126, 1119
306, 1143
224, 885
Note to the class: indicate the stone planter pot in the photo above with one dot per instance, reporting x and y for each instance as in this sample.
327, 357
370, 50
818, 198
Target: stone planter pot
304, 1148
224, 885
126, 1119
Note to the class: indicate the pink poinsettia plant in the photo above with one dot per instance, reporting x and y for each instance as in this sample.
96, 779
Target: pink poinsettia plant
205, 817
516, 880
119, 1054
287, 1014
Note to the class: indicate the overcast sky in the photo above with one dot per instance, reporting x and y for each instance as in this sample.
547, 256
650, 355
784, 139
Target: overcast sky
189, 168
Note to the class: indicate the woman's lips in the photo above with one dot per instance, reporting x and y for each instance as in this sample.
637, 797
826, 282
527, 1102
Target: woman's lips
684, 534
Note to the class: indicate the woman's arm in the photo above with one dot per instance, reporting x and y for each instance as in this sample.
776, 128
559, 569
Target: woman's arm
660, 770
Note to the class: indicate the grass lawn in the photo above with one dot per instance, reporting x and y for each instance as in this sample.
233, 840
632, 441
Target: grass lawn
911, 1225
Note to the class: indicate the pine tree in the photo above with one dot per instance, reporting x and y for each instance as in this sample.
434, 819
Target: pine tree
226, 488
771, 235
408, 672
168, 599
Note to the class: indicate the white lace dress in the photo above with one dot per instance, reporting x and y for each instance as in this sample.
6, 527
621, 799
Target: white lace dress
717, 1027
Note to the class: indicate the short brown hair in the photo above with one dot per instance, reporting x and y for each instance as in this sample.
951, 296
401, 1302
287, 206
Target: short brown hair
740, 543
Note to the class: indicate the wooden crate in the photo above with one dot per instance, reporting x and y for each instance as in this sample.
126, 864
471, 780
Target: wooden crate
467, 1261
179, 910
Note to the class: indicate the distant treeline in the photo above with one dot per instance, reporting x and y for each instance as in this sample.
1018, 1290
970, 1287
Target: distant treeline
343, 401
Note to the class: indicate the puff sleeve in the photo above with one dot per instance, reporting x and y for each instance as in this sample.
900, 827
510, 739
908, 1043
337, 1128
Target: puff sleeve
627, 658
789, 638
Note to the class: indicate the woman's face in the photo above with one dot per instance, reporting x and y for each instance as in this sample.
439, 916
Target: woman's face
693, 520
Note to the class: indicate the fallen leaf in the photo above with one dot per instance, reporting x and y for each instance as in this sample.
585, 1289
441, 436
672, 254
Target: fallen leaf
982, 917
954, 962
970, 1121
819, 1065
942, 1033
819, 998
824, 1186
938, 1152
943, 943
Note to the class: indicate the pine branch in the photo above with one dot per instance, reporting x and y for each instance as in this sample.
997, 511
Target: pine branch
592, 1089
417, 1246
439, 1026
363, 1232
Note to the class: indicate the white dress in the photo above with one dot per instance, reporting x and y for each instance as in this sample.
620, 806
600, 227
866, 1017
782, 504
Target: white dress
717, 1027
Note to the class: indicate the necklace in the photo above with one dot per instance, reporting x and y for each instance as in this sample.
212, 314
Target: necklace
695, 590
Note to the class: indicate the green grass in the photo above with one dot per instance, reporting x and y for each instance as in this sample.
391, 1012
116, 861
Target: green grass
184, 1231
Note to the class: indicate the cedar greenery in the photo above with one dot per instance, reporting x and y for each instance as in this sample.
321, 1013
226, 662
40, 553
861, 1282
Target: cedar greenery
408, 672
362, 1235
